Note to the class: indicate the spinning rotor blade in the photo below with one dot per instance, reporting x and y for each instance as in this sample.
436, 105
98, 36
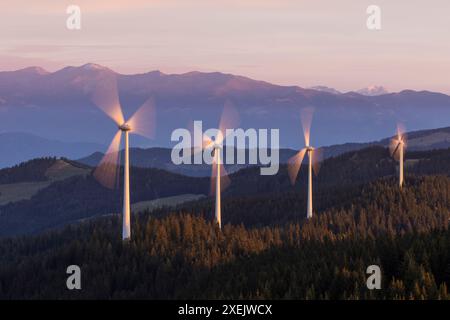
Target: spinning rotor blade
306, 118
107, 170
105, 96
294, 165
224, 179
143, 122
400, 131
393, 146
401, 134
228, 120
317, 158
396, 152
405, 141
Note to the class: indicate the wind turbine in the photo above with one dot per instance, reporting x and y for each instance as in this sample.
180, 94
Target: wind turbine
142, 122
397, 149
314, 156
214, 144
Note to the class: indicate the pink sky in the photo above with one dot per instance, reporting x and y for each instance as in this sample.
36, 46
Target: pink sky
303, 43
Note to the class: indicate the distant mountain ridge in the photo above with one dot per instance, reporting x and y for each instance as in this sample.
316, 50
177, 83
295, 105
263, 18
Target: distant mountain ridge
57, 104
159, 158
48, 193
17, 147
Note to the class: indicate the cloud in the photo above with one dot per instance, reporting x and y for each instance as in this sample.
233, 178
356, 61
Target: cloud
104, 6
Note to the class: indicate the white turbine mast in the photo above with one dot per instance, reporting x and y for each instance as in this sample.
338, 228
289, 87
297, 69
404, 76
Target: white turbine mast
126, 224
218, 211
397, 149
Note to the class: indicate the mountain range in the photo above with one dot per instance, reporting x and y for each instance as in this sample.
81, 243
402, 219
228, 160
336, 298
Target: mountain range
159, 158
57, 106
47, 193
17, 147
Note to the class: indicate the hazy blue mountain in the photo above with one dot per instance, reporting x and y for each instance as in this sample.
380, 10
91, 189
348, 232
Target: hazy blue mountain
160, 157
18, 147
48, 193
426, 139
57, 105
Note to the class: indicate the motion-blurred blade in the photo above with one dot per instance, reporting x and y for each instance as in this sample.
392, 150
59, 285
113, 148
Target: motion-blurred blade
401, 134
392, 146
317, 158
207, 142
192, 126
224, 179
142, 122
396, 153
228, 120
405, 141
306, 116
294, 164
105, 95
400, 131
107, 170
394, 149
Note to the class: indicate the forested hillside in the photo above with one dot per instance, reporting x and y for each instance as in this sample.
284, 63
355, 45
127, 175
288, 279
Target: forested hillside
81, 196
33, 170
181, 254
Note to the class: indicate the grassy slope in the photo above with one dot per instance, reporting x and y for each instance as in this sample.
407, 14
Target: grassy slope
60, 170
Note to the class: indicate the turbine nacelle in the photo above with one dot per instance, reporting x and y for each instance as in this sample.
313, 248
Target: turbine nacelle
125, 127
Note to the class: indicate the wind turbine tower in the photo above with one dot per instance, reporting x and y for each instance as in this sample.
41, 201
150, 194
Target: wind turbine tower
310, 203
314, 159
126, 228
142, 122
218, 212
397, 149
